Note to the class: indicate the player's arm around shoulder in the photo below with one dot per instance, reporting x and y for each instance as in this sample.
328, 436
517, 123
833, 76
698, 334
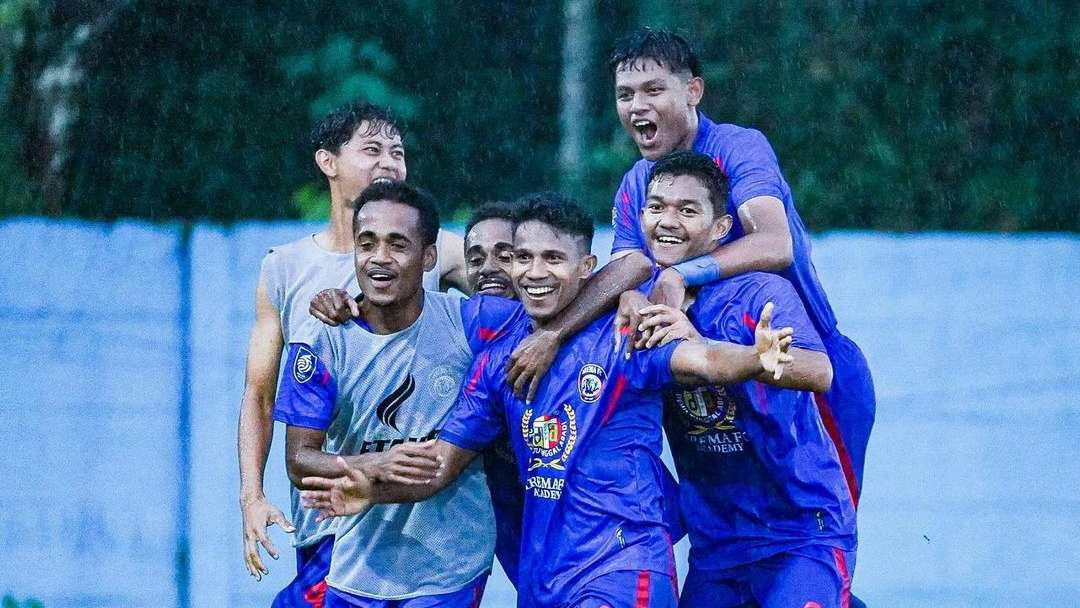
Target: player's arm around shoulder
256, 429
809, 368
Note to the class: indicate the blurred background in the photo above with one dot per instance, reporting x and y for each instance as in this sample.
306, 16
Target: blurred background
150, 152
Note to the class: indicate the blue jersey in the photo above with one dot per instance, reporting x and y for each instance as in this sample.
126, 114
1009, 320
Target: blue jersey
758, 474
748, 161
588, 449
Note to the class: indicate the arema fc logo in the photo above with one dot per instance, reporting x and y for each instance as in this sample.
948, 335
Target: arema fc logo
304, 365
590, 382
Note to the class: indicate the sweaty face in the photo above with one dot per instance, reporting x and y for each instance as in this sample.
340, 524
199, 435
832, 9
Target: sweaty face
390, 256
549, 268
489, 248
679, 221
372, 153
656, 107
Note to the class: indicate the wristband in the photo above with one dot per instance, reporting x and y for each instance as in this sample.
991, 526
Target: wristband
699, 271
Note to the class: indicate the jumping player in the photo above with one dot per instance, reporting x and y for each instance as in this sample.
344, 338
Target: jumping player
762, 491
588, 445
374, 388
352, 147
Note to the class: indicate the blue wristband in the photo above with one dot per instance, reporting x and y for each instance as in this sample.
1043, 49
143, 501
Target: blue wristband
699, 271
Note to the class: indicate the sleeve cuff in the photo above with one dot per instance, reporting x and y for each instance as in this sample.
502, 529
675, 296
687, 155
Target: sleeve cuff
462, 441
307, 422
759, 190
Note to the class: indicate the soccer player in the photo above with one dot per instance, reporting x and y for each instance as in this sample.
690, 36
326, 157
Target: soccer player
352, 147
762, 491
658, 88
588, 445
376, 387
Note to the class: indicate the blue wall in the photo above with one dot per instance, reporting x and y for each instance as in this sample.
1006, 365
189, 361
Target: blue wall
971, 485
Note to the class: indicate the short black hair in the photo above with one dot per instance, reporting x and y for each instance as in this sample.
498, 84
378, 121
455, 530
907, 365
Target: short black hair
688, 162
400, 192
491, 210
666, 48
556, 210
337, 127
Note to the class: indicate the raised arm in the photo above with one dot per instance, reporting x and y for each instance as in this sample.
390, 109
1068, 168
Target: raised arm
354, 490
532, 358
256, 432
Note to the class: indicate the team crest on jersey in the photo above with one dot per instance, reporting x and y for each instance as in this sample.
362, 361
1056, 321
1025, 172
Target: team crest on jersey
590, 382
443, 382
304, 365
706, 408
550, 438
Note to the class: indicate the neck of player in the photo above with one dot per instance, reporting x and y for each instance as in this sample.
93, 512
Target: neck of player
394, 317
338, 235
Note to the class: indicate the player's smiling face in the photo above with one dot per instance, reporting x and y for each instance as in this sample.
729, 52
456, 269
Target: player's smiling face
390, 256
549, 268
371, 154
489, 248
679, 221
657, 107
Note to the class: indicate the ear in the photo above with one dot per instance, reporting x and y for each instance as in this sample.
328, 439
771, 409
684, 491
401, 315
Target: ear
695, 90
431, 255
588, 264
326, 162
721, 227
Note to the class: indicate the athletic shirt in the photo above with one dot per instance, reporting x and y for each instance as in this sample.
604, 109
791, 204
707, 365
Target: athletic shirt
588, 450
748, 161
371, 392
292, 274
758, 474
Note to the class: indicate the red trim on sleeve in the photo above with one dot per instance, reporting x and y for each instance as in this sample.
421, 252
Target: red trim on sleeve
486, 334
471, 386
833, 429
620, 384
749, 321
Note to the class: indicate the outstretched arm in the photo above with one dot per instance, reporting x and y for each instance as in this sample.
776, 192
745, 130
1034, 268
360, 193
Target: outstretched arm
256, 432
808, 370
406, 463
697, 361
765, 246
532, 358
354, 491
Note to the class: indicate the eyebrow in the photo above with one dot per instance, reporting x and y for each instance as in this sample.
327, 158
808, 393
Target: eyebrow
393, 236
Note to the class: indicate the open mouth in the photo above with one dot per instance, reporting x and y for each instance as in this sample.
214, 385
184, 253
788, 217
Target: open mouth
666, 239
538, 292
646, 130
380, 278
492, 285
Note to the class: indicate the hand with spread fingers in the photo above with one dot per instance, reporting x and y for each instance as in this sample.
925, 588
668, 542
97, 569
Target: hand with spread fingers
333, 497
772, 345
259, 514
628, 321
334, 306
665, 324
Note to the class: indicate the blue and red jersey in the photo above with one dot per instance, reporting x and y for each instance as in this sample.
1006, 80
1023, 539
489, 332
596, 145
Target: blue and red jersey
588, 450
758, 474
748, 161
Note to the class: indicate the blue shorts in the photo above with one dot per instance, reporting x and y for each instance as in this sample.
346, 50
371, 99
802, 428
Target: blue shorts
816, 576
848, 407
308, 589
469, 597
628, 589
